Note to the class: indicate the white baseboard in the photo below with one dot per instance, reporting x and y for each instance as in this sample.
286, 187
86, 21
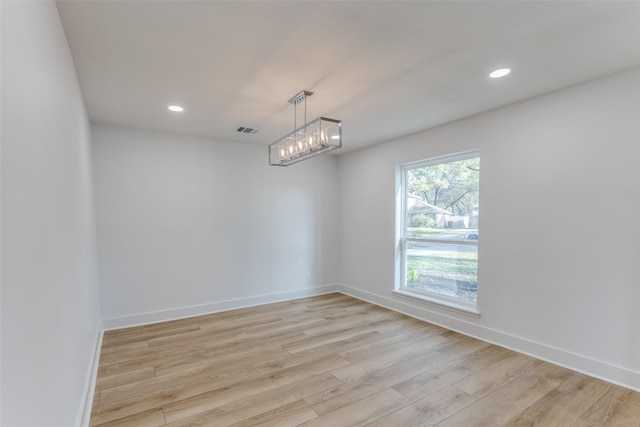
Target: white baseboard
84, 415
215, 307
576, 362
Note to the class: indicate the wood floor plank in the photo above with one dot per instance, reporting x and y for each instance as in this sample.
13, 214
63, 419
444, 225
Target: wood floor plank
461, 345
432, 381
362, 412
282, 326
271, 365
111, 342
124, 348
128, 377
115, 361
333, 360
363, 339
224, 361
193, 378
240, 405
123, 335
391, 341
241, 323
499, 407
246, 390
428, 411
111, 411
96, 399
279, 337
290, 415
232, 412
378, 361
371, 383
149, 359
150, 418
331, 337
494, 376
617, 407
343, 322
563, 405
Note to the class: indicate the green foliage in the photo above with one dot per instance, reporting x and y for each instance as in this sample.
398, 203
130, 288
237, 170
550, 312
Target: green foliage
422, 220
454, 265
451, 186
412, 275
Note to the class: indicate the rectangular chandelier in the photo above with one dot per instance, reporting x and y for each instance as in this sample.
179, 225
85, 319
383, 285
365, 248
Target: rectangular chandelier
316, 137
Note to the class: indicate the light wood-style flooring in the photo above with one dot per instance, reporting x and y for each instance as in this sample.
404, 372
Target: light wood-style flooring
336, 361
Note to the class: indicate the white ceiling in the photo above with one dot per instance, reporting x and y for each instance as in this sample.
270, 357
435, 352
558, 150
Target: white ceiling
386, 68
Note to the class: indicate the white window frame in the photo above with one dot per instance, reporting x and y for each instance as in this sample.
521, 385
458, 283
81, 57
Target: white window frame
442, 301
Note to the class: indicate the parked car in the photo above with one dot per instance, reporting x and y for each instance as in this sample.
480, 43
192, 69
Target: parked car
471, 235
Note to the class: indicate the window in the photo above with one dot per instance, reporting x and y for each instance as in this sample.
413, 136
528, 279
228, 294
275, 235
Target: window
437, 229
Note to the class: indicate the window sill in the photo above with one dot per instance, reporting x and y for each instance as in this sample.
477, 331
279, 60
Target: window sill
440, 302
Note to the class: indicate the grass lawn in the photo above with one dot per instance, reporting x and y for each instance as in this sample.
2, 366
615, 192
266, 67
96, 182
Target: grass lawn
462, 266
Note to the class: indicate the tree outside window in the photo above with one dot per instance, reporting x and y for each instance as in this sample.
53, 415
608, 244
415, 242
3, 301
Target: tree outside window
439, 212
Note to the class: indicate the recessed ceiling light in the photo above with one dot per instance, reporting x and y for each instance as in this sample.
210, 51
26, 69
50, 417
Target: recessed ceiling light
500, 73
176, 108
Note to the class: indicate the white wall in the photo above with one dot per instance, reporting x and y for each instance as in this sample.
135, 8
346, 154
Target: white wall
559, 275
189, 225
50, 308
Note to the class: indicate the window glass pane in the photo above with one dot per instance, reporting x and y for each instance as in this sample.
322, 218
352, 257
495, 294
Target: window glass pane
438, 217
442, 200
442, 268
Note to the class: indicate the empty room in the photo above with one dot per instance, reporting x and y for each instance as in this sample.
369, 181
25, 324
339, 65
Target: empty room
267, 213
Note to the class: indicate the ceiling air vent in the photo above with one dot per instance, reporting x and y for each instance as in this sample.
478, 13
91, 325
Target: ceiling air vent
245, 129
